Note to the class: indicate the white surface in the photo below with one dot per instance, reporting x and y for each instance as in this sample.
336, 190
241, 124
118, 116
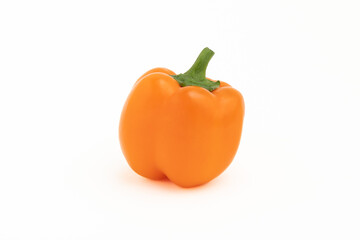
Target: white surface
66, 68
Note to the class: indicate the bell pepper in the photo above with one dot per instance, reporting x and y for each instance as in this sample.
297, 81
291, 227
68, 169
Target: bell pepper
185, 127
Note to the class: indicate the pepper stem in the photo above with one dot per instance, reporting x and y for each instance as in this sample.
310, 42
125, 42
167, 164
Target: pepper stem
196, 75
198, 69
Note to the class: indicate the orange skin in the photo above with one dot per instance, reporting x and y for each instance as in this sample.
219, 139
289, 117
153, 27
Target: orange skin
186, 134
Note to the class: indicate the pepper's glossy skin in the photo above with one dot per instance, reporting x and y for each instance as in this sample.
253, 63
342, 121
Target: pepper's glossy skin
186, 134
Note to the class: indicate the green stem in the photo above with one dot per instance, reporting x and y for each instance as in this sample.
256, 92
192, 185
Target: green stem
198, 69
196, 75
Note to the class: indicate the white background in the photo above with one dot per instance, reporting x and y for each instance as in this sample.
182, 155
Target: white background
66, 68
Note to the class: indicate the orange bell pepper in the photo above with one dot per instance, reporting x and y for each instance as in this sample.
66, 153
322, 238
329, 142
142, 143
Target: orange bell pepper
184, 127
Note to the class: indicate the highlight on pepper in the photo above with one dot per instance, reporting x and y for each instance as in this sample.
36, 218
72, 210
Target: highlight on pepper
182, 127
